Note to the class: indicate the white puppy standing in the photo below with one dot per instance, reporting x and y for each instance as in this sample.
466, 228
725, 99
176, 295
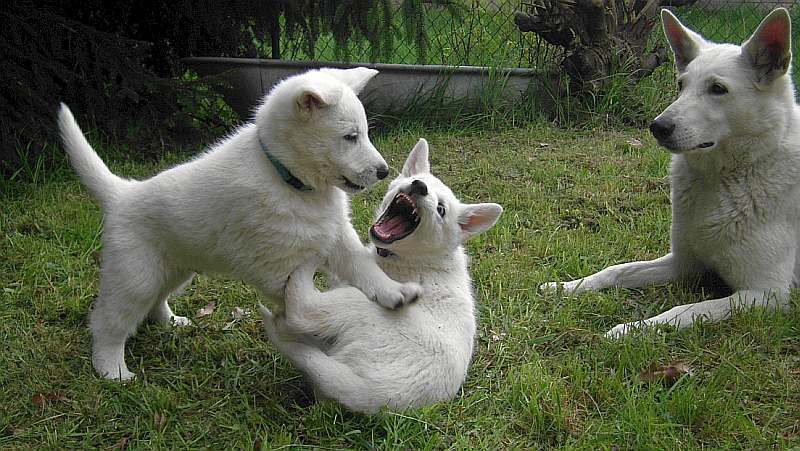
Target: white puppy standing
255, 206
734, 133
367, 357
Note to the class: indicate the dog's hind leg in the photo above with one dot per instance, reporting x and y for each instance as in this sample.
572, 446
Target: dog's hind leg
161, 312
131, 282
626, 275
309, 311
713, 310
331, 379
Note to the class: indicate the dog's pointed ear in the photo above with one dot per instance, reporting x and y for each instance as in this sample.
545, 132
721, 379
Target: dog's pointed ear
685, 43
356, 78
417, 161
311, 98
769, 49
475, 219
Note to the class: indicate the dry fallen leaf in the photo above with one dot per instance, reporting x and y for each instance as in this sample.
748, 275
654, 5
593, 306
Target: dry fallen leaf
207, 310
160, 420
122, 444
634, 142
39, 399
239, 313
669, 374
497, 336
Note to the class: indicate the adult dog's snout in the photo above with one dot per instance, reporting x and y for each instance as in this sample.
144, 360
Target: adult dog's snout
662, 128
418, 187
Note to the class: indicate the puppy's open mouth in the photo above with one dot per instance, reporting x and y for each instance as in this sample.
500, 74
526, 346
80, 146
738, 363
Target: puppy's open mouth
398, 221
352, 186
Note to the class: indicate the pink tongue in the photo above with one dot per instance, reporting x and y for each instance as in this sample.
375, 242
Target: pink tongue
393, 226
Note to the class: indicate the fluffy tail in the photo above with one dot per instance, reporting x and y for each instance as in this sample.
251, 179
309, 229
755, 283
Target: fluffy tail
95, 175
332, 378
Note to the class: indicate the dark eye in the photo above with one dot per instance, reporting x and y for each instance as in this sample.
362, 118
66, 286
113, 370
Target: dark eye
440, 209
680, 85
352, 137
718, 89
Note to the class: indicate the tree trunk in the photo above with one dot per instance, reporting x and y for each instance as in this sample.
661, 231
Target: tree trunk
600, 37
275, 38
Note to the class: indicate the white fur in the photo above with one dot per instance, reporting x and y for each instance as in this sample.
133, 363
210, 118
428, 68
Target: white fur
228, 212
368, 358
735, 176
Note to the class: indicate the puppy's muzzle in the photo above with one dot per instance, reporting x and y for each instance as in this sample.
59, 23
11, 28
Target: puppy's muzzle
417, 187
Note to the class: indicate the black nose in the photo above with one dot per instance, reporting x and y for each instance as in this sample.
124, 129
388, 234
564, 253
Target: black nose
662, 128
419, 187
383, 171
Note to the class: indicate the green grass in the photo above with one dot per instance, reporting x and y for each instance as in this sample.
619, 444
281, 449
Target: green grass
542, 375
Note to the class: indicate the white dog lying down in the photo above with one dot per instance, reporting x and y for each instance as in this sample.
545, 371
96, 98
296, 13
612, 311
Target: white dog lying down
367, 357
734, 133
253, 207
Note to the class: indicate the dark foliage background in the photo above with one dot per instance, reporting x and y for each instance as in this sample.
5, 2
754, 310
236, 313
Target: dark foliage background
116, 64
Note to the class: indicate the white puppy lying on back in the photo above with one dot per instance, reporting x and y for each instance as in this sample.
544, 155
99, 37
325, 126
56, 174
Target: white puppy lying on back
254, 207
367, 357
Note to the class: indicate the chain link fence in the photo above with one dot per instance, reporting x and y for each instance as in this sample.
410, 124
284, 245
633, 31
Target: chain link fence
483, 33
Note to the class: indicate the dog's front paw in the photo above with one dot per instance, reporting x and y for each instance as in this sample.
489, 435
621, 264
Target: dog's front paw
565, 287
397, 295
620, 330
550, 287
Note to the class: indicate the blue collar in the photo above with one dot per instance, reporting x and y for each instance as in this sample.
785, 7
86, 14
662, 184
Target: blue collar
287, 176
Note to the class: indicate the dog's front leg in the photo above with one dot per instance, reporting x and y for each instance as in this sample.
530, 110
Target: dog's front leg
712, 310
755, 265
625, 275
352, 261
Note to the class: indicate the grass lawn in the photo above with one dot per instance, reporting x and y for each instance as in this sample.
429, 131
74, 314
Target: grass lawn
542, 375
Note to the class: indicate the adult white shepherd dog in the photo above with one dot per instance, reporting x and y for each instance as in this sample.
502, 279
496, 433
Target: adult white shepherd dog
734, 134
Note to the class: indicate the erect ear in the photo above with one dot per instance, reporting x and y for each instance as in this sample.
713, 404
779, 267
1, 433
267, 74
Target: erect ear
311, 98
417, 161
685, 43
477, 218
769, 49
356, 78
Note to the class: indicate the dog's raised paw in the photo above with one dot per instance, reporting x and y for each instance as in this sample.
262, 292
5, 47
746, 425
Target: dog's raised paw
398, 296
549, 287
411, 292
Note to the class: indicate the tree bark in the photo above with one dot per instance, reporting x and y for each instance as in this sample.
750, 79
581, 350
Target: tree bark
599, 37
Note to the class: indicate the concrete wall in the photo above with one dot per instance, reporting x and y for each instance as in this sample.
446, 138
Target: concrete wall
393, 89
